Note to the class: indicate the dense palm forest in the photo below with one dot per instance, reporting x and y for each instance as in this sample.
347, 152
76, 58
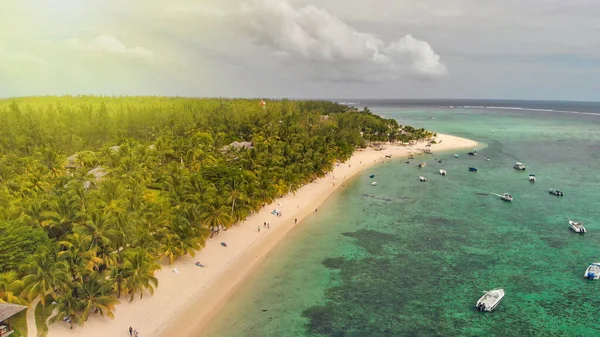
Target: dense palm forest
95, 191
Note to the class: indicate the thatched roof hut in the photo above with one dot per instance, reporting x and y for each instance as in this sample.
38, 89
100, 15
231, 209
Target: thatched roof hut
237, 145
71, 161
7, 311
98, 172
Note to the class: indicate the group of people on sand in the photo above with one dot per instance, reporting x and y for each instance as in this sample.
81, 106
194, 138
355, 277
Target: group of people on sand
133, 333
266, 225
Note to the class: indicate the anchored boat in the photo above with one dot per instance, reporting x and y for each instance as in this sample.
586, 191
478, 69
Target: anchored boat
519, 166
593, 271
423, 179
472, 169
490, 300
422, 164
532, 178
577, 226
556, 192
443, 172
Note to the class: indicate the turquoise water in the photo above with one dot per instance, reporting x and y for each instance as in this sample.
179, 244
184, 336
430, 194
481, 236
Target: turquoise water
407, 258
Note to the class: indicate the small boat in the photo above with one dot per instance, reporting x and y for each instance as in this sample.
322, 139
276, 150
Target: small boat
422, 164
432, 117
372, 176
519, 166
577, 226
443, 172
411, 157
486, 158
556, 192
472, 153
472, 169
456, 156
440, 161
506, 197
374, 183
421, 178
388, 156
532, 178
490, 300
593, 271
407, 162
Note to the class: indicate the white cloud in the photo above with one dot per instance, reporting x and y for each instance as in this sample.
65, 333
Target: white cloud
424, 60
111, 45
314, 35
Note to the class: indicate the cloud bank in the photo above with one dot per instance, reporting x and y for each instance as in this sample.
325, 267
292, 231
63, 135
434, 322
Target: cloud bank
314, 35
111, 45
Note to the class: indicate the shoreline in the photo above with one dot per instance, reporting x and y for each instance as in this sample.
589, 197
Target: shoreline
185, 301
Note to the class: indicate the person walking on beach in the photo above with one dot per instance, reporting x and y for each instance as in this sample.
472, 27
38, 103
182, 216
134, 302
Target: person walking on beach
130, 331
265, 224
258, 227
269, 225
135, 333
296, 221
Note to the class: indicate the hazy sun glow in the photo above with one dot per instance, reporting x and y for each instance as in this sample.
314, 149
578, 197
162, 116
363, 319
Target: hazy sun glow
322, 48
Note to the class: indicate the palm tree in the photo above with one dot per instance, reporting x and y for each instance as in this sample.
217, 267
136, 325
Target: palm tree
99, 235
139, 269
43, 276
215, 216
62, 214
97, 295
79, 256
180, 238
69, 306
9, 286
53, 161
236, 195
118, 276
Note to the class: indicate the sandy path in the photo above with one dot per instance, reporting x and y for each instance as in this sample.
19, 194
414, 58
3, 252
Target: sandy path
185, 301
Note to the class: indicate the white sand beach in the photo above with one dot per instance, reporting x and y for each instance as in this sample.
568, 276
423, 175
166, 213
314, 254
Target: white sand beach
185, 301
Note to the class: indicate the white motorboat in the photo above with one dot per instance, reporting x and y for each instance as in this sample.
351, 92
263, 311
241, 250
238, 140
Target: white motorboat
506, 197
555, 192
374, 183
443, 172
422, 164
490, 300
519, 166
421, 178
593, 271
577, 226
486, 158
532, 178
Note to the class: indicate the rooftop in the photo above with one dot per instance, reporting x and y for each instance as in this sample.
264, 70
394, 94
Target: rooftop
8, 310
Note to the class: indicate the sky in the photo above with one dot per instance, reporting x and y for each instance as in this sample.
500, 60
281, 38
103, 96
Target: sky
510, 49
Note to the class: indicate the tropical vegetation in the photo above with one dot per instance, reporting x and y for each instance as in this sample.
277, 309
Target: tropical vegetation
96, 191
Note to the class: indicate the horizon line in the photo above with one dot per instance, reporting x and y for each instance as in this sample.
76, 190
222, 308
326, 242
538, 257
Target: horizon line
310, 98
